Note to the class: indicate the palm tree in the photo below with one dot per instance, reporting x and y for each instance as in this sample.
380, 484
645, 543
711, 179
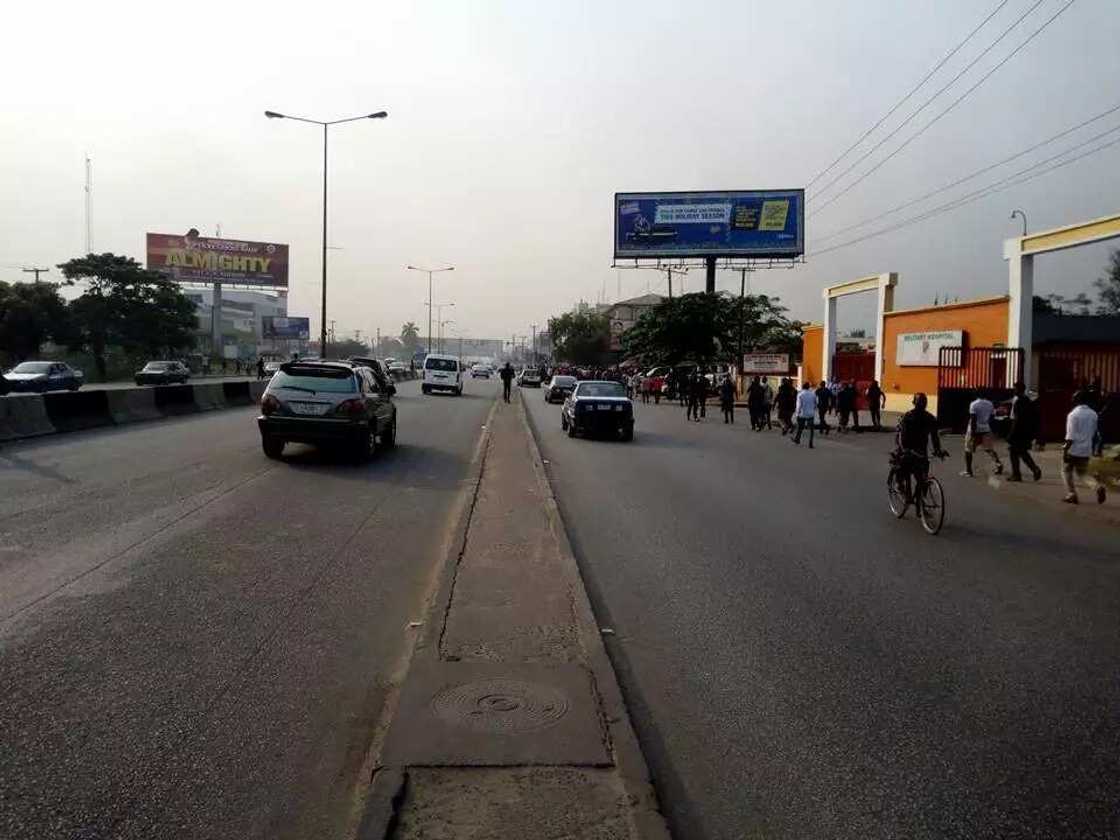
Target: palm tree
410, 335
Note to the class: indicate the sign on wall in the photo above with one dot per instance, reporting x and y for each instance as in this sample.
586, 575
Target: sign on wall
287, 329
724, 223
921, 349
206, 259
765, 363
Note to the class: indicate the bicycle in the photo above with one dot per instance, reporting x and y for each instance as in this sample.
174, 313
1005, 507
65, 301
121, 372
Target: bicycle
929, 498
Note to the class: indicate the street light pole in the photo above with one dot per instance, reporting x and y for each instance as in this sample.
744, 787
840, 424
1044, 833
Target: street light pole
429, 272
274, 115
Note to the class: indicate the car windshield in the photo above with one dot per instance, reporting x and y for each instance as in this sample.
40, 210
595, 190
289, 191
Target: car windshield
32, 367
320, 380
563, 381
441, 364
155, 366
600, 389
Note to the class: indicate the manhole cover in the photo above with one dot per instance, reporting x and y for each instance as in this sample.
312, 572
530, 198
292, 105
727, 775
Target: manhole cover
501, 705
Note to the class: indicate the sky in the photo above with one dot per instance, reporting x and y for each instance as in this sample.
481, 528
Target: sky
512, 124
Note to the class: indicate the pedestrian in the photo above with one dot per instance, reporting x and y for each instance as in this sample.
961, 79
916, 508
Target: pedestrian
727, 399
1081, 428
260, 367
876, 402
754, 403
695, 391
806, 407
1024, 430
979, 434
507, 380
767, 402
787, 404
835, 387
845, 401
855, 406
824, 405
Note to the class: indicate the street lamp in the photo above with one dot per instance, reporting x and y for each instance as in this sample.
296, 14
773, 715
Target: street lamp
442, 324
273, 115
430, 272
1015, 213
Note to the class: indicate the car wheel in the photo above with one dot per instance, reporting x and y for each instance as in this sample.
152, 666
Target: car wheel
273, 447
389, 436
366, 446
424, 389
628, 433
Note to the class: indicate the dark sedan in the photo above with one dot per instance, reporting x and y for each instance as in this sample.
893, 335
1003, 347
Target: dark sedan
162, 373
598, 408
41, 377
558, 388
327, 403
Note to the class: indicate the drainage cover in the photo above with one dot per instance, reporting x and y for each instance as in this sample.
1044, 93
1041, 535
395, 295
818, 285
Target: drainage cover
501, 705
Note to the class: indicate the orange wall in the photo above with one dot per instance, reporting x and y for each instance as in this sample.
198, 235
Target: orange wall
984, 323
812, 339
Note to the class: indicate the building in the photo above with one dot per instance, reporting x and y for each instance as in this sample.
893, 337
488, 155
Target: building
625, 314
242, 311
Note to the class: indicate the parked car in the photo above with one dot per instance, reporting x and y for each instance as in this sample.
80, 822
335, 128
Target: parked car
530, 378
442, 373
598, 407
162, 373
558, 388
481, 371
40, 377
327, 403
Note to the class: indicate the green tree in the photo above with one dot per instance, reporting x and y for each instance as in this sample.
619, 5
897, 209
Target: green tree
410, 337
708, 328
30, 314
581, 338
126, 305
345, 348
1108, 287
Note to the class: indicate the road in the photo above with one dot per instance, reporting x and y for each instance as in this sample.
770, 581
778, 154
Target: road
196, 641
799, 664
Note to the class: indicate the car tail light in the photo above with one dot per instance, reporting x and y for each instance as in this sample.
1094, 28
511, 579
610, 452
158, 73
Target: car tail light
350, 408
269, 405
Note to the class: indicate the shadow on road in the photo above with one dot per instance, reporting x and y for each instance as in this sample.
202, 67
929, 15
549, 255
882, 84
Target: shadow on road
10, 461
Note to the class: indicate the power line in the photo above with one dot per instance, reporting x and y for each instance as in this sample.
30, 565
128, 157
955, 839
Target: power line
992, 189
906, 98
980, 171
951, 105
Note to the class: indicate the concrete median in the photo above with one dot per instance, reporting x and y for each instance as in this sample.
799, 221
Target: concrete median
209, 396
23, 417
132, 405
236, 393
77, 410
256, 390
175, 400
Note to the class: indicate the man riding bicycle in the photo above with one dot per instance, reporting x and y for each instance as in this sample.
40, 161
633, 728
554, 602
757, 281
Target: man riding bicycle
916, 430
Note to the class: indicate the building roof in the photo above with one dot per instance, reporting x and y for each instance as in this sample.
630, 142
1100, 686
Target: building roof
1086, 329
651, 299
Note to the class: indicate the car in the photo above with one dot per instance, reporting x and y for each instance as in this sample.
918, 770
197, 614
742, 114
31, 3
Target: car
380, 372
559, 387
327, 404
397, 370
162, 373
598, 407
442, 373
270, 368
40, 377
530, 378
481, 371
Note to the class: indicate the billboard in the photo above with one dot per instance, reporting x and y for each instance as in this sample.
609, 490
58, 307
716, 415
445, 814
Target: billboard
285, 329
765, 363
725, 223
205, 259
921, 349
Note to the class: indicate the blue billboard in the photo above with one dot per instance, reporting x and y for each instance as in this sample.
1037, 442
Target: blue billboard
285, 329
723, 223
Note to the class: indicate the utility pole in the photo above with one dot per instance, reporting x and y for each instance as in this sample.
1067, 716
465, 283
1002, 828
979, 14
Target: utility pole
742, 312
36, 272
534, 326
89, 205
377, 347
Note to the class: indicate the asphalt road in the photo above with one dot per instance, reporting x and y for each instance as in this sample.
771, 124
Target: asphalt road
196, 641
799, 664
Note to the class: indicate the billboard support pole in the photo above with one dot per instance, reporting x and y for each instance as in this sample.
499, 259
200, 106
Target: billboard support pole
216, 320
323, 317
710, 275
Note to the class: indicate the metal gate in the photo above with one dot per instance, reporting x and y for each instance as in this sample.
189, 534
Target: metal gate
1062, 372
963, 373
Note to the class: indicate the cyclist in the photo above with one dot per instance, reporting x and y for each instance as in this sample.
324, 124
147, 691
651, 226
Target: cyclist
916, 430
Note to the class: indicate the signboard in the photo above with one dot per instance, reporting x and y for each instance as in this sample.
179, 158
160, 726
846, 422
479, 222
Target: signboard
290, 329
765, 363
747, 223
921, 349
204, 259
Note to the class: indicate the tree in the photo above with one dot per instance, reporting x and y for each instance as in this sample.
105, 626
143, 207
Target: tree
410, 337
30, 314
581, 338
1108, 287
707, 328
345, 348
126, 305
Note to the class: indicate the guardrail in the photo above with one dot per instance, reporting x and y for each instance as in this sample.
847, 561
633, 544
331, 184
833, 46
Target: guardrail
33, 415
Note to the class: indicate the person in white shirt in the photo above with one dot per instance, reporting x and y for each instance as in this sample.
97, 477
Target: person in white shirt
1081, 428
979, 434
806, 412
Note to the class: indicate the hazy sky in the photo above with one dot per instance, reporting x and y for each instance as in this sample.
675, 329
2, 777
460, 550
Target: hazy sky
512, 124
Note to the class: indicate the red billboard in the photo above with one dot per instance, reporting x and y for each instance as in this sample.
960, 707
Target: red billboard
205, 259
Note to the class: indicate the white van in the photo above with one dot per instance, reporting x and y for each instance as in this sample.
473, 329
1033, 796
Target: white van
442, 373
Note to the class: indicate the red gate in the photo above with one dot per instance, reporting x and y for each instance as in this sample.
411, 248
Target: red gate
1061, 373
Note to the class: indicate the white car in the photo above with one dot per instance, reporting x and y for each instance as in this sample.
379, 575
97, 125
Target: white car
481, 371
442, 373
530, 378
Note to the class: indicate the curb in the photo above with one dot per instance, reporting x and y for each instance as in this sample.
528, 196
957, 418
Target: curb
630, 762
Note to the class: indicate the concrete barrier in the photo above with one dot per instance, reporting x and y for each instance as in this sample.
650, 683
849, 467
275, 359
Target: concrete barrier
237, 393
76, 410
209, 396
174, 400
24, 416
130, 405
256, 390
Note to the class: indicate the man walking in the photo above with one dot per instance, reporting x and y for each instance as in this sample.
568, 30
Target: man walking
824, 405
979, 434
787, 405
845, 401
1024, 430
754, 403
727, 399
876, 401
696, 394
806, 412
1081, 428
507, 380
767, 403
260, 367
